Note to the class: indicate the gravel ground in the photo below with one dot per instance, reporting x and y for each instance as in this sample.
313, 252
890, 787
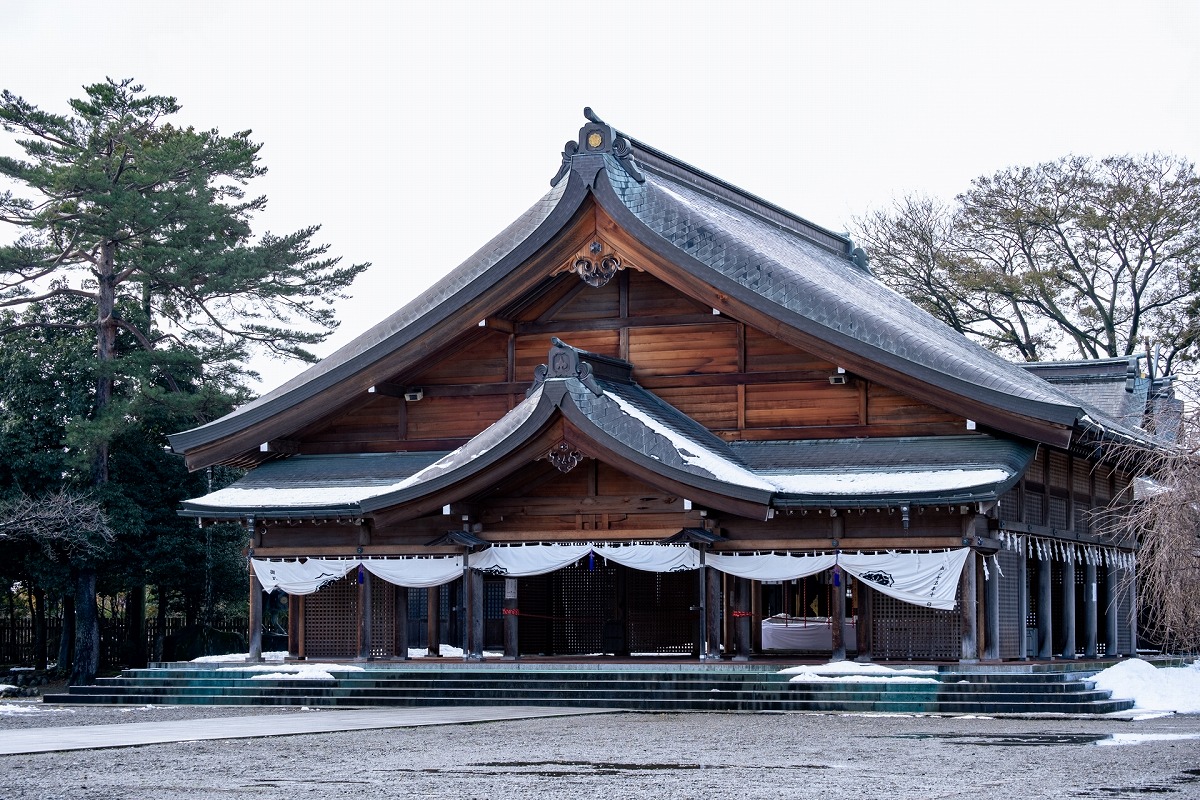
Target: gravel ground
629, 756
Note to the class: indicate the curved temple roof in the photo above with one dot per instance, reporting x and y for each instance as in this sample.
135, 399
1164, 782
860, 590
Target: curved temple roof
804, 276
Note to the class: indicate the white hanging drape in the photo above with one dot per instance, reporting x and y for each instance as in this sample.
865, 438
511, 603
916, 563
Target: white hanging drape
522, 561
770, 566
927, 579
300, 577
416, 572
923, 579
651, 557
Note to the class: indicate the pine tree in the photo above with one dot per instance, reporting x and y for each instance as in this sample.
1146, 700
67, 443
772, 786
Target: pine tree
148, 226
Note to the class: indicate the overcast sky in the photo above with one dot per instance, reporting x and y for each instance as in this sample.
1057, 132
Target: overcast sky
414, 132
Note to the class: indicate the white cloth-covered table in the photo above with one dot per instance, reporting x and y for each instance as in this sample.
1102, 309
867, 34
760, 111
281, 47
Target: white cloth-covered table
797, 633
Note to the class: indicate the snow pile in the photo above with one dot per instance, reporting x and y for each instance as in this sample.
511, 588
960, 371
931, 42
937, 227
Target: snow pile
8, 709
277, 655
853, 672
448, 651
303, 675
1152, 689
293, 668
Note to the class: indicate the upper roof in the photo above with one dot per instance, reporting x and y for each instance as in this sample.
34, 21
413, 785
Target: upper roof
755, 257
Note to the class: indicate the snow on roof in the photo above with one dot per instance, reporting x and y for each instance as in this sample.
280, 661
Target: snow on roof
696, 454
886, 482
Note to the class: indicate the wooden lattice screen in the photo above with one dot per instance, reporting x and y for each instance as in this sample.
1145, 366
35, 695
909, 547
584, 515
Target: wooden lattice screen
1012, 621
331, 619
902, 630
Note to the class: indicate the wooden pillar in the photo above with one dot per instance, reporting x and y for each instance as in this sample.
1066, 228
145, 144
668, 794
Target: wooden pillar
400, 631
1091, 616
991, 615
301, 605
511, 631
293, 612
1111, 611
1045, 625
1068, 607
866, 614
969, 609
714, 614
1023, 601
256, 616
364, 614
433, 621
1131, 620
755, 616
837, 614
743, 618
475, 614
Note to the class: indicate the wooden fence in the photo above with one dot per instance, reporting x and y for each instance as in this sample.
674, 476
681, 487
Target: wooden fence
17, 638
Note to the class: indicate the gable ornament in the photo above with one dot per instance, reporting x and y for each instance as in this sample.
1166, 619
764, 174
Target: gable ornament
596, 264
564, 457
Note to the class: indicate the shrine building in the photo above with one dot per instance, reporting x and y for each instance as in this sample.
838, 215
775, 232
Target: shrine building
658, 415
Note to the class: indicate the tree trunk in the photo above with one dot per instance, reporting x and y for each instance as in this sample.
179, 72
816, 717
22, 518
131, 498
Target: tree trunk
87, 623
66, 639
38, 598
160, 623
87, 629
134, 648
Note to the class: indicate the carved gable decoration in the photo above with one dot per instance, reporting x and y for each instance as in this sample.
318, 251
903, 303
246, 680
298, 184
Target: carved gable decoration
596, 264
564, 457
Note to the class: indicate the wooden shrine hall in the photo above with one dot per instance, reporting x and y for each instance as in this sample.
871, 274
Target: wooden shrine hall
659, 415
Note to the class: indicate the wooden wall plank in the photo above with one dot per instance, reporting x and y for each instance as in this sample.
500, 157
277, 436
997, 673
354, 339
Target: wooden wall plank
812, 403
684, 349
885, 406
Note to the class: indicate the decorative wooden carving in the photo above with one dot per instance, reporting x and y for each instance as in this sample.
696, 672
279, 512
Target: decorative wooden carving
596, 264
564, 457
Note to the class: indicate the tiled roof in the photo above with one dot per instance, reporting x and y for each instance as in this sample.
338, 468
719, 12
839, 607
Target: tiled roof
802, 274
806, 276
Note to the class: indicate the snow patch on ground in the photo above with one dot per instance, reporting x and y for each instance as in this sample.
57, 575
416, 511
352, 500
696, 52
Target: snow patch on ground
1151, 688
7, 709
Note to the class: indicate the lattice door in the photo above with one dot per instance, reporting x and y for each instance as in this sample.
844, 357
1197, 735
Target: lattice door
331, 620
906, 631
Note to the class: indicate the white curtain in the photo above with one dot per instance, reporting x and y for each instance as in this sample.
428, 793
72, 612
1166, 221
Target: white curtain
651, 557
300, 577
418, 572
770, 566
925, 579
521, 561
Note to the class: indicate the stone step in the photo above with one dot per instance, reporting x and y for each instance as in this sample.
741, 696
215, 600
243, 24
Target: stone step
658, 704
692, 687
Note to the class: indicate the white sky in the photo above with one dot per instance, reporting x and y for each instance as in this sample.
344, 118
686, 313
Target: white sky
414, 132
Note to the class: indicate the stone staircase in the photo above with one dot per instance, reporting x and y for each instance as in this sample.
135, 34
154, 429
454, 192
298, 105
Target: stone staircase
1018, 689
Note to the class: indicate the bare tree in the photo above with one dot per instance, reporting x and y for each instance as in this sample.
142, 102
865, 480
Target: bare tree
1094, 255
63, 524
1164, 519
